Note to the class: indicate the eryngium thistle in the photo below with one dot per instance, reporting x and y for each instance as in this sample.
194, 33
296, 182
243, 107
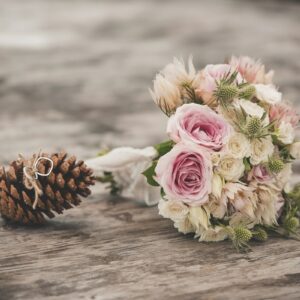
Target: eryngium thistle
291, 224
260, 235
226, 92
275, 165
242, 234
254, 125
247, 93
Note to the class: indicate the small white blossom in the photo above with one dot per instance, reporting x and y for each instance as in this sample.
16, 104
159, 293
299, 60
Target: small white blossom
165, 93
199, 218
267, 93
231, 168
239, 146
215, 234
286, 133
261, 149
172, 209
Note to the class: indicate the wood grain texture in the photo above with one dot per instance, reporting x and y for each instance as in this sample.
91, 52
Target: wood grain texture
75, 75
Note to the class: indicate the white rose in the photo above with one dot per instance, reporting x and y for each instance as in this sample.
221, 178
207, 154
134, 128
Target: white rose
172, 209
230, 168
261, 149
217, 185
286, 133
215, 234
295, 150
267, 93
165, 93
239, 146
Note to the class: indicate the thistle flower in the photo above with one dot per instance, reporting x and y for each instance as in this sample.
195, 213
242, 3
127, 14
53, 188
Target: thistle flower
247, 92
240, 237
253, 127
275, 165
260, 234
291, 224
226, 92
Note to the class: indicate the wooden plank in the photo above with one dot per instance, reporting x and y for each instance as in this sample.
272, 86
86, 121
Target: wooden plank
75, 75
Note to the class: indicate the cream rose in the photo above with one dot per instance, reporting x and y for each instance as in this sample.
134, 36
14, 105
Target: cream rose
231, 168
261, 149
239, 146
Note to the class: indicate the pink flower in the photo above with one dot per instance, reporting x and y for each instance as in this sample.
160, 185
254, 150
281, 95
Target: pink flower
209, 77
283, 113
259, 173
185, 174
251, 70
200, 125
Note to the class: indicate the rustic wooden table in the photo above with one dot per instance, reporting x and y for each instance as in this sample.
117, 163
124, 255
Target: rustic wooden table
74, 75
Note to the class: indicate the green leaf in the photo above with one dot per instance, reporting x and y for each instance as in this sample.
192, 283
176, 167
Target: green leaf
247, 164
150, 173
164, 147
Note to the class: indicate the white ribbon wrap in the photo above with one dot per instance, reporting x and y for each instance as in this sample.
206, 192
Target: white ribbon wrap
127, 164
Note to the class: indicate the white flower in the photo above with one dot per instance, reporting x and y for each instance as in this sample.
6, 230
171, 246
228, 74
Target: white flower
177, 74
283, 179
217, 185
267, 93
127, 164
217, 206
267, 198
295, 150
231, 168
172, 209
199, 218
251, 108
165, 93
286, 133
168, 85
184, 226
239, 146
240, 197
215, 234
261, 149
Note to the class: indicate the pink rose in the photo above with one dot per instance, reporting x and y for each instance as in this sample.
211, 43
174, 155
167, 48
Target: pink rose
209, 77
200, 125
259, 173
284, 113
185, 174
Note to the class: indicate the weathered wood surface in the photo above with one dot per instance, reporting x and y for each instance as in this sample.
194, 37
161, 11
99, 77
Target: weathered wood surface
74, 75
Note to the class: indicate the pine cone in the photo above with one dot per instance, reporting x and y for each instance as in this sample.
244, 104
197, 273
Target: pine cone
59, 190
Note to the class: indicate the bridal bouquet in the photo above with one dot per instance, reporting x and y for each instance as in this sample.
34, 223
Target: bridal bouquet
225, 171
